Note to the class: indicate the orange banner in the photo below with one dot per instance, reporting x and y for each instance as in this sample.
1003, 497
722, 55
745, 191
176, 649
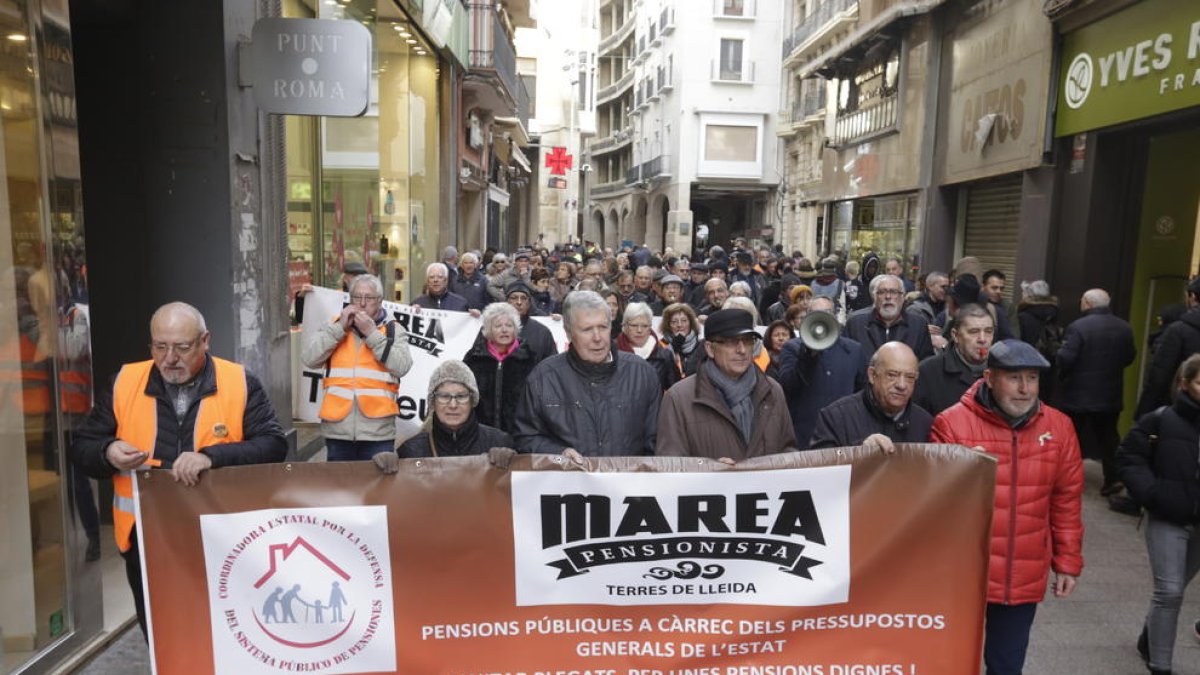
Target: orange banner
832, 562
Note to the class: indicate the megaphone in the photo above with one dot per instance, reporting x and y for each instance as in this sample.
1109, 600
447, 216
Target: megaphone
819, 330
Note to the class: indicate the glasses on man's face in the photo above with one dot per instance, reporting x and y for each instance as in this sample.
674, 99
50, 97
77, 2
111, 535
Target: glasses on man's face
364, 299
889, 292
180, 348
744, 341
443, 398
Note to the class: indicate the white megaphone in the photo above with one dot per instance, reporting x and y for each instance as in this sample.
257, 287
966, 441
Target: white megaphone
819, 330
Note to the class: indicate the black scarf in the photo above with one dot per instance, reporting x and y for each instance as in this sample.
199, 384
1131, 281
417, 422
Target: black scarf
592, 372
446, 443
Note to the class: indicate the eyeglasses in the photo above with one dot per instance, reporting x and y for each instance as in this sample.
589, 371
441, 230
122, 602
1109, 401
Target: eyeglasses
889, 292
360, 299
746, 341
445, 399
180, 348
638, 326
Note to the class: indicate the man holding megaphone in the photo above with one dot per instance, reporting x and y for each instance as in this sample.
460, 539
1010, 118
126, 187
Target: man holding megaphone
818, 368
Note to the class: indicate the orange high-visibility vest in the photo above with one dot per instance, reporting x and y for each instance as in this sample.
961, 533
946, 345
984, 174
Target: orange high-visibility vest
763, 360
35, 380
354, 374
218, 421
75, 379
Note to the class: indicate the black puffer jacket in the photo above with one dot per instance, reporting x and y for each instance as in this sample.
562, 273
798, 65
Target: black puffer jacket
263, 439
1091, 362
943, 380
849, 420
500, 383
1164, 476
607, 410
472, 438
1179, 341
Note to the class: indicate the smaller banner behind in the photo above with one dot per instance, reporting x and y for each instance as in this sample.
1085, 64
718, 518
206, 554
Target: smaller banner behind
433, 335
832, 562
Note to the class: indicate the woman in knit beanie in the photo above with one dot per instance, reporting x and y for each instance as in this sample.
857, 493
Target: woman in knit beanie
451, 429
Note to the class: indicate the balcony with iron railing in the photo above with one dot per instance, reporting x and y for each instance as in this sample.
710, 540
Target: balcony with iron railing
608, 93
633, 176
859, 125
612, 142
608, 188
617, 36
492, 52
666, 21
809, 26
809, 107
659, 167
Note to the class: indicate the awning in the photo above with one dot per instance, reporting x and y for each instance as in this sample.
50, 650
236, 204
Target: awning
513, 126
863, 33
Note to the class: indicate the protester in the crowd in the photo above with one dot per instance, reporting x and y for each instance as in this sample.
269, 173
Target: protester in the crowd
858, 290
183, 410
694, 293
932, 300
992, 296
887, 322
437, 293
814, 379
623, 285
1179, 341
1037, 314
827, 284
740, 289
894, 267
775, 337
453, 428
501, 363
778, 309
643, 284
1096, 349
1157, 463
1036, 522
682, 331
637, 337
470, 282
670, 291
744, 272
539, 338
946, 376
541, 301
499, 283
883, 412
590, 399
718, 269
350, 270
715, 294
364, 353
729, 410
563, 282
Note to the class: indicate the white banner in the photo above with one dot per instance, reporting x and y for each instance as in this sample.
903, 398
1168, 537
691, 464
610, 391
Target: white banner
433, 335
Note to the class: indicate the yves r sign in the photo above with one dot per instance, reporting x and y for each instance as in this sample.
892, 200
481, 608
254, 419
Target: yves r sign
311, 66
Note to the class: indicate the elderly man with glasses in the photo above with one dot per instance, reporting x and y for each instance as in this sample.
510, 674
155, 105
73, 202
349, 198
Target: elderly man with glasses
183, 410
364, 353
886, 321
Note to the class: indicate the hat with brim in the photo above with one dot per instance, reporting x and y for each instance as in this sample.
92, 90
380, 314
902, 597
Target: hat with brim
729, 323
518, 286
670, 279
354, 267
1012, 354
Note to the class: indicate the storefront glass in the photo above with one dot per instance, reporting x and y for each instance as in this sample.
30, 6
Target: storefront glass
887, 226
378, 175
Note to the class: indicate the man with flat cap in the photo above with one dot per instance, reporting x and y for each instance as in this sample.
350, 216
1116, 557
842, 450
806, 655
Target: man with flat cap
519, 294
730, 409
1036, 524
694, 293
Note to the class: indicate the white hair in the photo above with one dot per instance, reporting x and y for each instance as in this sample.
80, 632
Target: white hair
496, 311
880, 278
467, 256
637, 310
581, 301
437, 266
739, 302
740, 288
370, 279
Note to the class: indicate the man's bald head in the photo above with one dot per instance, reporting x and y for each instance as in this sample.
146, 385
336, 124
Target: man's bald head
1095, 298
178, 342
893, 376
174, 313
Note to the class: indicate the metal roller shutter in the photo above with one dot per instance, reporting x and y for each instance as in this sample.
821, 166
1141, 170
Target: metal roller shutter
993, 224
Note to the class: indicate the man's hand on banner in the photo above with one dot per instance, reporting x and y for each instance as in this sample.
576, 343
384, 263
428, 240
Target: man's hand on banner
387, 462
727, 460
501, 457
123, 456
575, 458
1064, 584
188, 467
475, 313
879, 443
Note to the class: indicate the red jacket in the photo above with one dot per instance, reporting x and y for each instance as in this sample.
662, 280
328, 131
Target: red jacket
1036, 520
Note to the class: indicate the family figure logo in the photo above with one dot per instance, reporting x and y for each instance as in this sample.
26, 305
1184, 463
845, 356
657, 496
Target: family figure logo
300, 590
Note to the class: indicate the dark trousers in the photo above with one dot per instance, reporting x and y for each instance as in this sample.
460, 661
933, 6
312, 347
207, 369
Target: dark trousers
133, 572
1098, 439
1006, 637
341, 450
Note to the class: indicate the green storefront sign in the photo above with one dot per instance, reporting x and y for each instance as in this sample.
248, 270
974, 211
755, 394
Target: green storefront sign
1141, 61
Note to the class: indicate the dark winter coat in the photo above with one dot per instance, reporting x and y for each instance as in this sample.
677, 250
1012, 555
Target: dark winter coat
865, 328
814, 380
1032, 317
858, 291
500, 382
662, 358
849, 420
539, 338
1179, 341
472, 288
263, 440
1163, 475
941, 381
695, 421
449, 301
1097, 347
472, 438
566, 405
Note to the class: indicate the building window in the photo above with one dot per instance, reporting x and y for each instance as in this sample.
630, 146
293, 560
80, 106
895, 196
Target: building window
725, 143
868, 98
733, 7
731, 60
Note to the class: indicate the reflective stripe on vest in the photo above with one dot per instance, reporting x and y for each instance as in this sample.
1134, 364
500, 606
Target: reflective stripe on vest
35, 380
218, 421
355, 375
75, 391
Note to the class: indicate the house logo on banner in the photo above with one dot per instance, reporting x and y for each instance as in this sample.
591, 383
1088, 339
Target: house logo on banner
300, 590
768, 538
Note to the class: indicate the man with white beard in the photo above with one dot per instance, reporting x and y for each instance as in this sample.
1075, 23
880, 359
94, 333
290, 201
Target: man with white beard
886, 321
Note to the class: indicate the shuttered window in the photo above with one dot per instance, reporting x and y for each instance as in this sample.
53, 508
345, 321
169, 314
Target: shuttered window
993, 224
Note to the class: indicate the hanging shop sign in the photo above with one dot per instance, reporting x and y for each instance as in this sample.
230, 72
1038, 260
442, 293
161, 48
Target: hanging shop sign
1139, 62
311, 66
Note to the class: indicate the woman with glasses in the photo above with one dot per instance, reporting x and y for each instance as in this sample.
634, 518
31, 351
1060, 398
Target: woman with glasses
452, 428
364, 353
637, 337
681, 330
500, 362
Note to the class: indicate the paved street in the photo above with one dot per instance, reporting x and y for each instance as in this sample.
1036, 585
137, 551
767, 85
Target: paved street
1091, 633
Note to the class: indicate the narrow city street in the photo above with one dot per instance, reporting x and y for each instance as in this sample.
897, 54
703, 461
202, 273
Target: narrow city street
1091, 633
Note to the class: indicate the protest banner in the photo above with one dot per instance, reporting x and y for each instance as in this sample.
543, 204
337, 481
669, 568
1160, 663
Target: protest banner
828, 562
433, 336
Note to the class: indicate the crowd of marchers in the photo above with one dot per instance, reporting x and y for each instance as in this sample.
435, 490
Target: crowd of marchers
730, 355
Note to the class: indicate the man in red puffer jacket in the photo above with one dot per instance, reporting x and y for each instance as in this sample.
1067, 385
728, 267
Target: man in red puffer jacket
1036, 522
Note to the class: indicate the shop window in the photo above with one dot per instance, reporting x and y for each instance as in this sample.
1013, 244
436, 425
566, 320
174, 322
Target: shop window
724, 143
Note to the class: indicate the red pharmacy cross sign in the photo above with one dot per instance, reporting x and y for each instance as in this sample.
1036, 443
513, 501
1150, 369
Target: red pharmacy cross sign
558, 160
